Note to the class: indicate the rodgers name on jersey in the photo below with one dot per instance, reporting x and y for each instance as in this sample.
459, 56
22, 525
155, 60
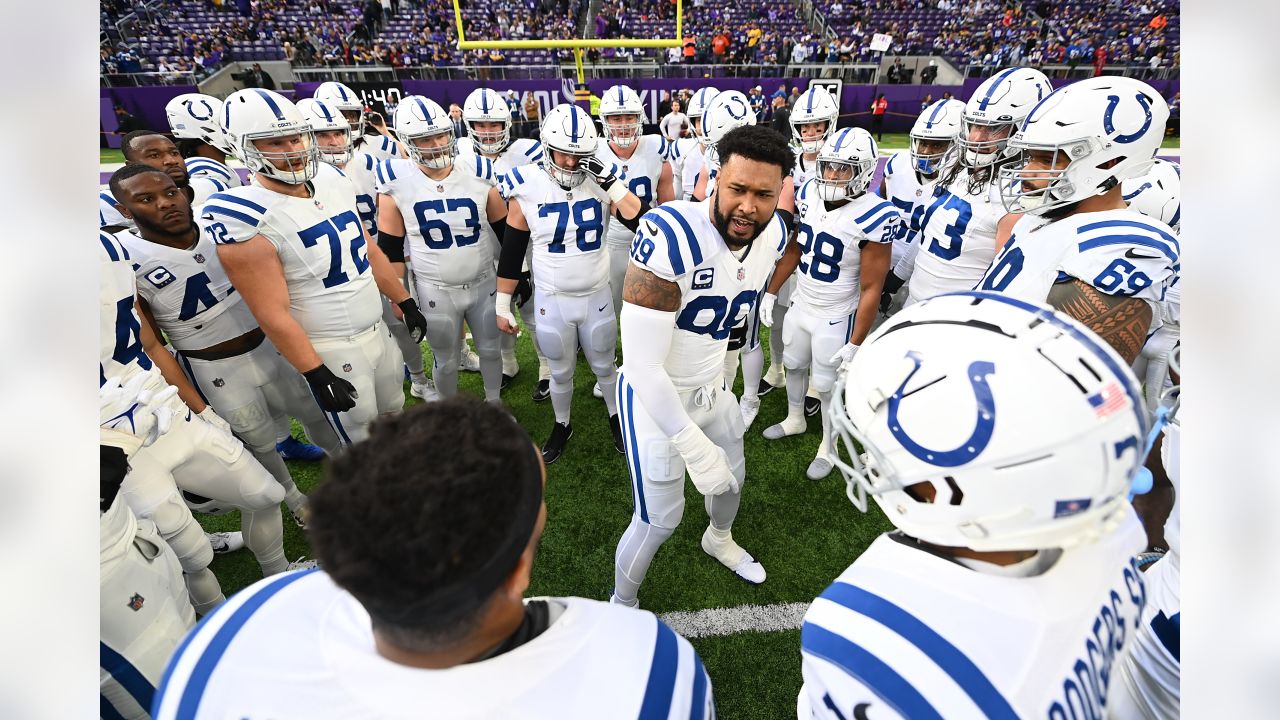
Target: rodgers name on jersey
640, 173
718, 288
321, 244
566, 231
830, 244
449, 238
957, 238
1119, 252
188, 292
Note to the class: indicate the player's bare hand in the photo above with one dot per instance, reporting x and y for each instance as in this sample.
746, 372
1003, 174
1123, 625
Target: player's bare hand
507, 324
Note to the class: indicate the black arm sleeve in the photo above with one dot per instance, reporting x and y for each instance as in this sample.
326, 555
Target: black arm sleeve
499, 228
113, 464
892, 283
391, 245
514, 244
787, 219
633, 223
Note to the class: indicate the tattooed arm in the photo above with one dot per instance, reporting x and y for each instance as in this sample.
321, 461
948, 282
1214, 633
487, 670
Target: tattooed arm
1121, 321
643, 288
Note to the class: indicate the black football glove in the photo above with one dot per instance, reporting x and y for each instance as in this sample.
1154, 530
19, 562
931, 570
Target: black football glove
596, 168
524, 291
332, 392
414, 320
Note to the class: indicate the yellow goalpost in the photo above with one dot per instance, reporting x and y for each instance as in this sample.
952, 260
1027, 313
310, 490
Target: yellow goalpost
579, 45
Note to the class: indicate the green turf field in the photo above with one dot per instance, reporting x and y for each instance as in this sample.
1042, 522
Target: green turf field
805, 533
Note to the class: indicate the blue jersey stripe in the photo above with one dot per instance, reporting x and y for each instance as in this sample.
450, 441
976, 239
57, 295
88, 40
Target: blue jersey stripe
698, 702
391, 172
892, 213
1144, 240
129, 677
516, 171
377, 171
870, 670
217, 210
228, 197
662, 675
369, 162
1177, 214
879, 208
110, 247
695, 250
1129, 224
208, 167
948, 657
191, 375
627, 406
204, 667
107, 711
533, 149
673, 247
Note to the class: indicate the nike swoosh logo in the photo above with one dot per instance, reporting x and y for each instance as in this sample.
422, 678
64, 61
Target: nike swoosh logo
649, 226
602, 307
860, 711
834, 322
207, 216
495, 292
1135, 255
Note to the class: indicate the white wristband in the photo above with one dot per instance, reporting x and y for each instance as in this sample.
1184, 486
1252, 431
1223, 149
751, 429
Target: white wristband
502, 304
617, 192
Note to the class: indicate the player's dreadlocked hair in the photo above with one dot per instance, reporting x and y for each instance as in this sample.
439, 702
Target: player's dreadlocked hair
419, 521
757, 142
126, 142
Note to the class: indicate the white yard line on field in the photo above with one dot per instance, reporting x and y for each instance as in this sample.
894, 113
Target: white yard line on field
743, 618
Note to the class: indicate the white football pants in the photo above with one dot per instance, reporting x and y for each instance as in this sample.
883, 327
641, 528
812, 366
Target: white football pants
567, 322
371, 362
446, 307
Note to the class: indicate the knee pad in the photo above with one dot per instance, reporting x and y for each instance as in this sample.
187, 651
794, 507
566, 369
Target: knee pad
258, 490
663, 484
185, 537
254, 426
552, 343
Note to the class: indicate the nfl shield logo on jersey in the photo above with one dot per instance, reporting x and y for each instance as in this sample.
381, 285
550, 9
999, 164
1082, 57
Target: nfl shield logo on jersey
742, 274
219, 382
346, 367
135, 602
199, 258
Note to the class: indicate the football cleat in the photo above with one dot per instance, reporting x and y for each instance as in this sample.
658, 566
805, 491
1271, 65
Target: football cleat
765, 388
506, 381
293, 449
469, 362
542, 390
426, 390
812, 406
225, 542
615, 426
775, 377
554, 446
750, 408
597, 392
731, 555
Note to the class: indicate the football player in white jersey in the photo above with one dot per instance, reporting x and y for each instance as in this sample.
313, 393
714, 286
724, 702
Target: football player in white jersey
1158, 194
1076, 245
150, 148
1010, 587
560, 209
184, 292
690, 153
642, 167
333, 137
696, 272
455, 491
293, 245
452, 219
845, 236
909, 175
958, 227
144, 608
488, 121
381, 146
193, 121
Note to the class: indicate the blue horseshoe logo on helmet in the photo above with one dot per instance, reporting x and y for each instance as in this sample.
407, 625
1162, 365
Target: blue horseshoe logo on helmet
729, 106
191, 110
978, 439
1112, 102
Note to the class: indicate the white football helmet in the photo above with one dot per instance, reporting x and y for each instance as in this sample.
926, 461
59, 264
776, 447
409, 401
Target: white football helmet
850, 149
728, 110
1084, 126
257, 114
621, 100
324, 117
195, 116
698, 105
567, 129
999, 105
1157, 194
419, 117
1028, 427
814, 106
346, 100
940, 122
486, 105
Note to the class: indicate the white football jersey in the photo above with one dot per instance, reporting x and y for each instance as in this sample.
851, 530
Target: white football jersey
518, 153
904, 633
199, 166
958, 239
379, 146
830, 243
1120, 252
188, 291
803, 170
321, 244
446, 221
107, 212
361, 171
120, 353
677, 153
296, 645
718, 290
640, 173
566, 231
694, 160
903, 188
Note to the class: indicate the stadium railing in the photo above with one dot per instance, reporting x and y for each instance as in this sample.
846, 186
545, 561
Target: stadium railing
1083, 70
143, 79
853, 73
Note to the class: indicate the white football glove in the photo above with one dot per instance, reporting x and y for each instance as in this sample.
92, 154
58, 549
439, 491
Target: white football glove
502, 308
131, 416
844, 355
707, 463
215, 420
766, 308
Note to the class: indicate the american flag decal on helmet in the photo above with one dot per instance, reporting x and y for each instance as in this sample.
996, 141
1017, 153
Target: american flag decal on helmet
1108, 400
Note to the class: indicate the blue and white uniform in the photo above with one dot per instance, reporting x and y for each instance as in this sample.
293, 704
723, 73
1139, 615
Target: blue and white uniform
379, 146
1119, 252
107, 212
452, 250
640, 173
518, 153
957, 240
321, 244
678, 152
209, 176
297, 645
903, 188
904, 633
